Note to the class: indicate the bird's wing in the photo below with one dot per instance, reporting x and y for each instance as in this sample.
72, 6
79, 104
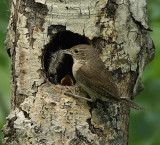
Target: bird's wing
98, 80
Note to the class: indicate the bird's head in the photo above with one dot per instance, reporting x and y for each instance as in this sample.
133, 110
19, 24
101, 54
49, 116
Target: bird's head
81, 52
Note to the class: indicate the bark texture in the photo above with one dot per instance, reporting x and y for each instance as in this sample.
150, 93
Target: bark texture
41, 113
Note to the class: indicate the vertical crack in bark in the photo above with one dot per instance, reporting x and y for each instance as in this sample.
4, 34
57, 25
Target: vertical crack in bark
13, 57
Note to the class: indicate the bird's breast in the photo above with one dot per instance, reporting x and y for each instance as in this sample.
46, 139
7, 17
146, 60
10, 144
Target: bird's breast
76, 66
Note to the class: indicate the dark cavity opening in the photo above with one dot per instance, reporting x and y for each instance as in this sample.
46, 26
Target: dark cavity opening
58, 66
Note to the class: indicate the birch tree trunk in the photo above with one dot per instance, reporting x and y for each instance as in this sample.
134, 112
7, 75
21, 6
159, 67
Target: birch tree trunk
40, 112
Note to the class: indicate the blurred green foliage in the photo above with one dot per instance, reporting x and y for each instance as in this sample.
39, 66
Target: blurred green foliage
4, 66
144, 126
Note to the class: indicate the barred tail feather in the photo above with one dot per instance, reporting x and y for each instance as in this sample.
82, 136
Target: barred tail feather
132, 104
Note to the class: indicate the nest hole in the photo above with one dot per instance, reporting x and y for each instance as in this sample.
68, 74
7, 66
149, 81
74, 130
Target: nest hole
57, 65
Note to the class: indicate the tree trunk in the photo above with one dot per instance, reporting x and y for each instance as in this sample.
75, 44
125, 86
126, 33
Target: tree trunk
40, 112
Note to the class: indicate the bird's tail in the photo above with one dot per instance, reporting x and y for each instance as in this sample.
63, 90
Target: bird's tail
132, 104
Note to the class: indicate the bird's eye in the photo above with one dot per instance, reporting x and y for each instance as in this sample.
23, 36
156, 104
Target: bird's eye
76, 51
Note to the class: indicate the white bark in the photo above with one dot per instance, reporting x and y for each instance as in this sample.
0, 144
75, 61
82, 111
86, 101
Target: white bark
40, 113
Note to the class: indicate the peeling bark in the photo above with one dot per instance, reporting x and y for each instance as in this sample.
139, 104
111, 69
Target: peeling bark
40, 112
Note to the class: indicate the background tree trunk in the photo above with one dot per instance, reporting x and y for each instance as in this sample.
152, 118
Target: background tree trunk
41, 113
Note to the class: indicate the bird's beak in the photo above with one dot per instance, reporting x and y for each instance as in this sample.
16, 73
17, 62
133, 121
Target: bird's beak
66, 51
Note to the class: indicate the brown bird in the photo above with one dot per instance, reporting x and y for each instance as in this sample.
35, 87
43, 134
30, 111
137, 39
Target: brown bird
91, 74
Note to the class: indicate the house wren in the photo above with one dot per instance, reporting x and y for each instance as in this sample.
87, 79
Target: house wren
91, 74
